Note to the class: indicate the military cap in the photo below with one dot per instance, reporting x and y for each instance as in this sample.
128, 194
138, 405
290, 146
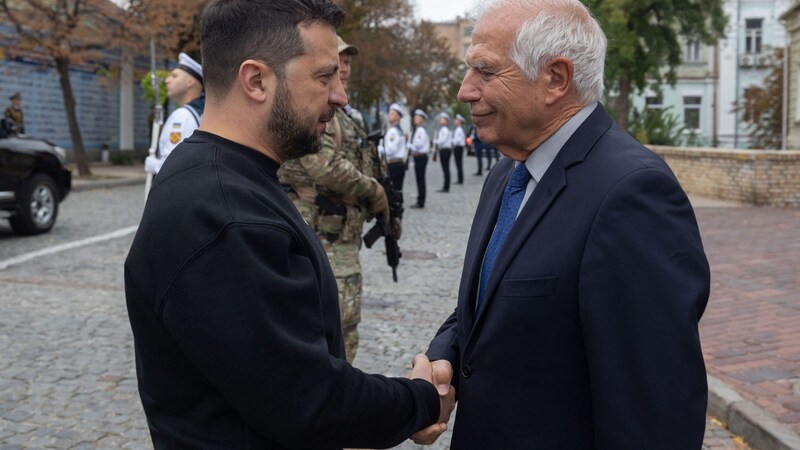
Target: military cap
15, 96
445, 116
460, 117
345, 47
190, 66
396, 107
421, 113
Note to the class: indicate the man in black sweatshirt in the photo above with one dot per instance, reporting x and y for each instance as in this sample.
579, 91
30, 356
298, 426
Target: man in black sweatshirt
233, 305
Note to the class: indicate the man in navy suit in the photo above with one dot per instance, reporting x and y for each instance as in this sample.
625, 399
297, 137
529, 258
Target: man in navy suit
584, 277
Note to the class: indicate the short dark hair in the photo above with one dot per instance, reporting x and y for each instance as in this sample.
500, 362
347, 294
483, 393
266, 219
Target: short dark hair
233, 31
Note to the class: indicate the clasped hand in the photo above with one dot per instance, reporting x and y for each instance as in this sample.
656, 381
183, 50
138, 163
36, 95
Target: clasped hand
439, 373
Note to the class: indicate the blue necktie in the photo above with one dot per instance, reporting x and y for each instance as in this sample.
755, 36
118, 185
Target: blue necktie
509, 206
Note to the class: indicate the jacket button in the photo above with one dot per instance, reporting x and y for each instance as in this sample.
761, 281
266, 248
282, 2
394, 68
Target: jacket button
466, 371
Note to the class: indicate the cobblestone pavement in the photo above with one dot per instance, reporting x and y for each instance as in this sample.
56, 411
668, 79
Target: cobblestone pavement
67, 378
751, 329
398, 320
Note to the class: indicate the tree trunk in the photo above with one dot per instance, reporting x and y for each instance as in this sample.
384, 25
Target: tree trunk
623, 101
376, 124
62, 66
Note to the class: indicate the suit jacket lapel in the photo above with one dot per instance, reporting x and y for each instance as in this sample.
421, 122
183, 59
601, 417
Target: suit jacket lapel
546, 192
482, 228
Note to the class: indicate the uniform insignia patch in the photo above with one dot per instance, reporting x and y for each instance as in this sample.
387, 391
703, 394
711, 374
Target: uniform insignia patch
391, 138
175, 137
176, 125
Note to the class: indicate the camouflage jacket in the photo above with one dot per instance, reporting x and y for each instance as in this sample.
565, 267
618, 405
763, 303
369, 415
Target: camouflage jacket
343, 171
17, 117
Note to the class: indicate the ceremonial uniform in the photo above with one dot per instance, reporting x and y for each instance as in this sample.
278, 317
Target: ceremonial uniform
420, 147
331, 189
182, 122
178, 126
444, 145
395, 152
459, 141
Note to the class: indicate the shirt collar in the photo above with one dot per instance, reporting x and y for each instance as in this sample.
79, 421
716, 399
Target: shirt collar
541, 158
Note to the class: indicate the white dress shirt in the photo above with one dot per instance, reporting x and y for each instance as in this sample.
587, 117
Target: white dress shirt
459, 139
420, 143
443, 139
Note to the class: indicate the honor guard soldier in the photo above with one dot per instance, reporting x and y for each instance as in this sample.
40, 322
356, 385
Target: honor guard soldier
459, 142
185, 88
444, 146
394, 149
336, 191
419, 147
14, 113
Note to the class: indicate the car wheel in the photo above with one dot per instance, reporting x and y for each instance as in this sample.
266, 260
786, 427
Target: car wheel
38, 207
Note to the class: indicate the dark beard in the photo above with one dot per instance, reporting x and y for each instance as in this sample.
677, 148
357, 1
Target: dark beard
290, 138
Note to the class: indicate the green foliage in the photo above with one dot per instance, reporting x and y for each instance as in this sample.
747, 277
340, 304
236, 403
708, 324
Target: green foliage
656, 126
399, 58
147, 85
645, 38
463, 109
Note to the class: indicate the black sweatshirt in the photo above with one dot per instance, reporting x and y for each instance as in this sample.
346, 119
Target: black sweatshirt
235, 318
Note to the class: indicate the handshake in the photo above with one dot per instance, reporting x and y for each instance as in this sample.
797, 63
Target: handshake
439, 373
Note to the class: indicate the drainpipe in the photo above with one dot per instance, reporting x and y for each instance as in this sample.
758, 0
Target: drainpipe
738, 69
786, 54
715, 98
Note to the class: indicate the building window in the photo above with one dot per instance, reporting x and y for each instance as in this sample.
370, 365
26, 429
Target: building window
752, 36
468, 31
691, 112
691, 51
654, 102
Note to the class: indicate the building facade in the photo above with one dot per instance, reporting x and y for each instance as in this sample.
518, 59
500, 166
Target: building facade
458, 34
713, 79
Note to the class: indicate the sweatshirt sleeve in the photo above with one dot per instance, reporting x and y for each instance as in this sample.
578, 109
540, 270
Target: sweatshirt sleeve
254, 327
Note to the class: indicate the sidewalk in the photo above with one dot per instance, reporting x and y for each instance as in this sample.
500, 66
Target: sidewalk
750, 330
105, 176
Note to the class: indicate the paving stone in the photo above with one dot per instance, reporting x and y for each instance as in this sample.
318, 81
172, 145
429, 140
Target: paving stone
762, 374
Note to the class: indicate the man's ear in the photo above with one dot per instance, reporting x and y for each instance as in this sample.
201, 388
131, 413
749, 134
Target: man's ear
559, 73
257, 80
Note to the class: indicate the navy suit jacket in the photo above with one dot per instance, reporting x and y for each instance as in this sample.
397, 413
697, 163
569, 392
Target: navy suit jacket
588, 337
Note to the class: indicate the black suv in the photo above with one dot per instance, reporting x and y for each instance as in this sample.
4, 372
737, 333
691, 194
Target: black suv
33, 180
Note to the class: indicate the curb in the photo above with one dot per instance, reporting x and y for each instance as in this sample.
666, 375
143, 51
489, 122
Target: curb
746, 419
106, 184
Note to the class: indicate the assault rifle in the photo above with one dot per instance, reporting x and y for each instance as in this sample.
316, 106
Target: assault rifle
381, 227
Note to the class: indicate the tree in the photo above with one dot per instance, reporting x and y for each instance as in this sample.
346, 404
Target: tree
68, 32
644, 40
432, 75
398, 57
762, 108
656, 126
173, 24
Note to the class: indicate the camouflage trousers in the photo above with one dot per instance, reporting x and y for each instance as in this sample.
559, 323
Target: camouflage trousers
347, 269
343, 257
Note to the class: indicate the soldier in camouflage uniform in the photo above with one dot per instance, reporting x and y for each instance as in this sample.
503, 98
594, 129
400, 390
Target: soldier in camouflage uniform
14, 113
335, 191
